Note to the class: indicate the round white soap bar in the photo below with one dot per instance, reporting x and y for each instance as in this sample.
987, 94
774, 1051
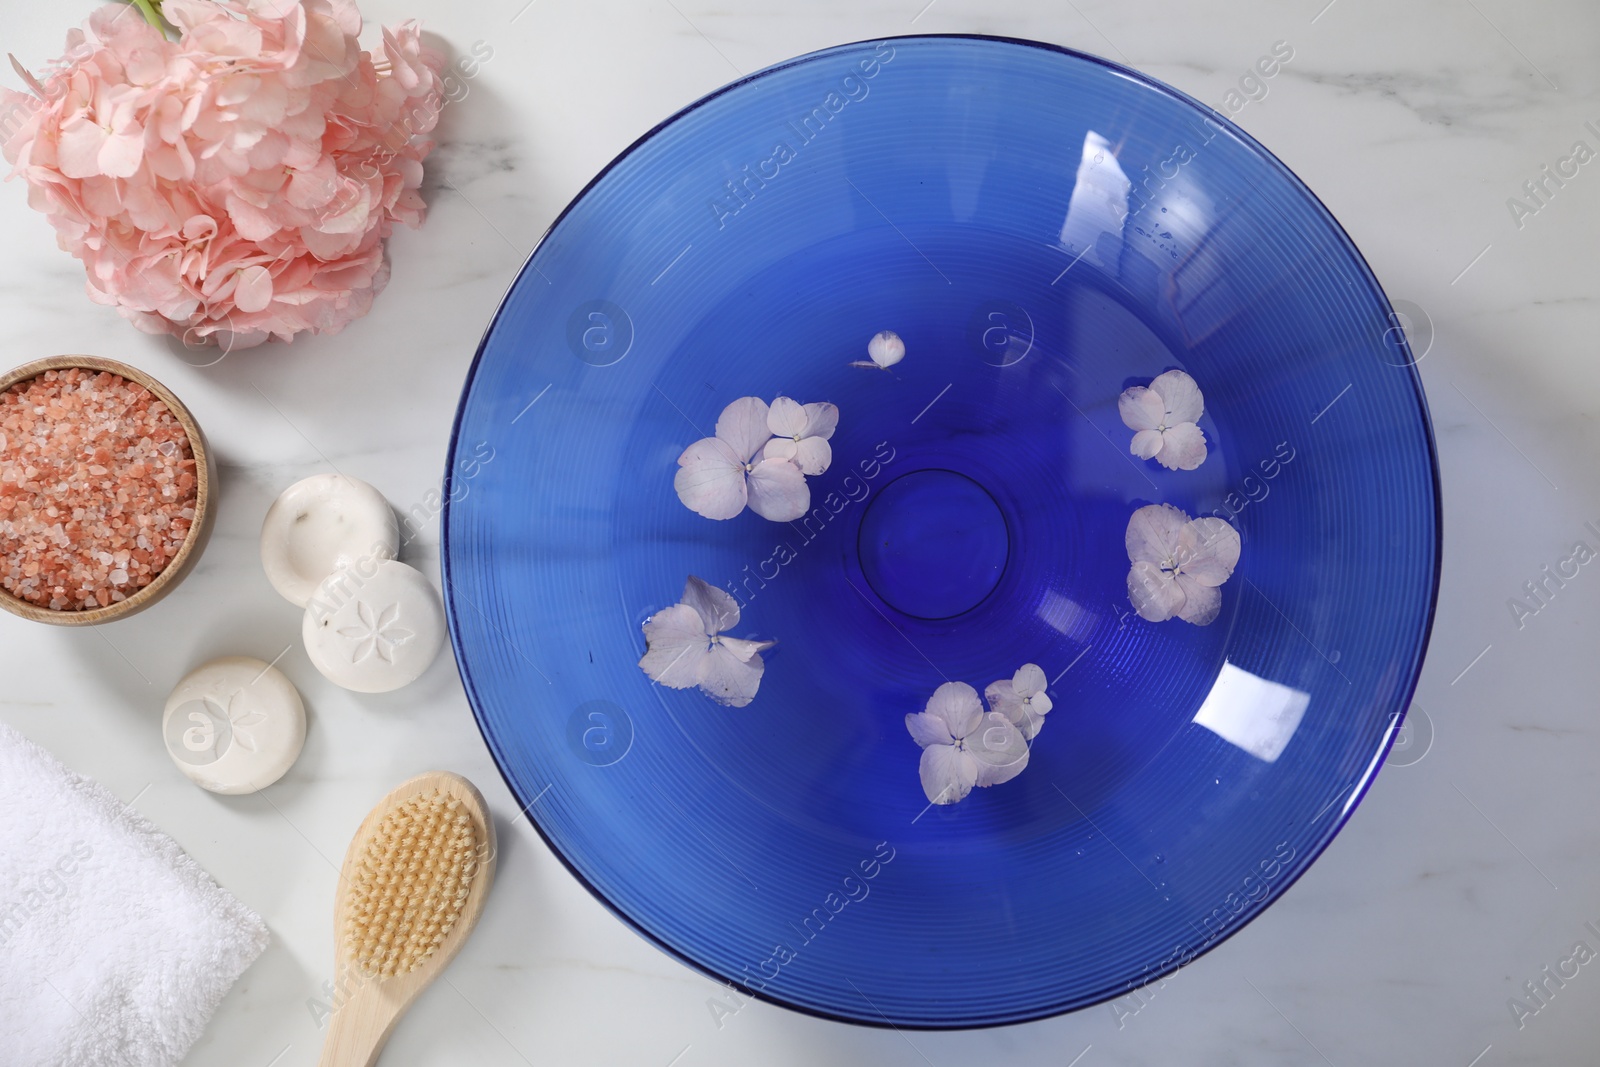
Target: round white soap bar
373, 627
321, 524
234, 725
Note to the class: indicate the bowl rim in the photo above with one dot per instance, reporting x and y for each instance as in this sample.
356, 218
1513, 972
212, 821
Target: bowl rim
188, 552
1405, 694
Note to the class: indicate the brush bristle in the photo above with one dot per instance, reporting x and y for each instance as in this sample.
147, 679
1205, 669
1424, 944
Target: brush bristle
409, 888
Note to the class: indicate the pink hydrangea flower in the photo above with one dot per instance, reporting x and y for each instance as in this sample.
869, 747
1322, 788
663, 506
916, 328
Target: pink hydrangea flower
1164, 417
236, 184
1179, 564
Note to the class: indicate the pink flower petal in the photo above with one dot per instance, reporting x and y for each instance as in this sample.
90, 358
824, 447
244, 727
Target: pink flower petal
813, 455
926, 729
1140, 408
254, 291
351, 210
1153, 531
1029, 681
727, 679
948, 774
1146, 443
348, 15
745, 650
1002, 697
330, 247
778, 490
78, 150
314, 186
743, 425
1154, 594
711, 480
266, 104
253, 223
786, 418
998, 747
821, 420
781, 448
677, 643
1180, 396
121, 154
718, 610
956, 704
1201, 603
199, 228
1183, 447
1208, 550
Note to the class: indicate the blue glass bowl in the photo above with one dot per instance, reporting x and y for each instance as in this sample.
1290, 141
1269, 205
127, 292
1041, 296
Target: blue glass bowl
1044, 229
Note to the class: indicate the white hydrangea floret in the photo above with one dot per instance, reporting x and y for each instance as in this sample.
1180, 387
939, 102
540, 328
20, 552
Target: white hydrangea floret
689, 646
962, 745
719, 475
1179, 564
1021, 699
1163, 416
800, 434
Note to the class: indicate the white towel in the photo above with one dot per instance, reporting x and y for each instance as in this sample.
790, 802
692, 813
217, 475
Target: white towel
115, 947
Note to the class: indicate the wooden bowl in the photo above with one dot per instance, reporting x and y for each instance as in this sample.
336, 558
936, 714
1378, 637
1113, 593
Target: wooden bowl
199, 530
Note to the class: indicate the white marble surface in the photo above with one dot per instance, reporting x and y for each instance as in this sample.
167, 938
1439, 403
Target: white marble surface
1461, 876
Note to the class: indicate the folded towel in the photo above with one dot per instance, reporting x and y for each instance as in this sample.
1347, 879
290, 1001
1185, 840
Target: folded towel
115, 947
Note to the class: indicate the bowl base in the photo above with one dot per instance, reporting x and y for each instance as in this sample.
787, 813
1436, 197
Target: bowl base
933, 544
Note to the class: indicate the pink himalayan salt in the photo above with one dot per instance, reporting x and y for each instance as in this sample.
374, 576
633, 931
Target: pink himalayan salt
97, 489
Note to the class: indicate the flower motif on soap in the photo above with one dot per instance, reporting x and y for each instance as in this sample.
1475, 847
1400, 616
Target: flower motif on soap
689, 646
759, 457
963, 746
202, 729
1021, 699
207, 727
377, 633
238, 720
1163, 416
1179, 564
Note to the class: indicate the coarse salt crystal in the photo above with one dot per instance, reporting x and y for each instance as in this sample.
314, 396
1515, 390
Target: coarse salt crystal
91, 507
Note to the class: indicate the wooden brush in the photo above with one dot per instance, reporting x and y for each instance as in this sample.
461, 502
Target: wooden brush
413, 885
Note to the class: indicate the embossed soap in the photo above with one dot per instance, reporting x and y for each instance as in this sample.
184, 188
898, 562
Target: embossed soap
234, 725
373, 627
320, 524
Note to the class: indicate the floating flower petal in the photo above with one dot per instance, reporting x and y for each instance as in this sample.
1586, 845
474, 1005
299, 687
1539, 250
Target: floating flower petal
999, 748
744, 464
801, 434
686, 647
883, 351
743, 425
1163, 416
711, 479
778, 490
1021, 699
1178, 564
962, 745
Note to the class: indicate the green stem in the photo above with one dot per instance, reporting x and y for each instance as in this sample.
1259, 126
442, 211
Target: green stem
151, 9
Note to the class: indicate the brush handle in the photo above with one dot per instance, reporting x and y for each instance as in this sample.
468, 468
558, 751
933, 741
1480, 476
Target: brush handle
360, 1027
